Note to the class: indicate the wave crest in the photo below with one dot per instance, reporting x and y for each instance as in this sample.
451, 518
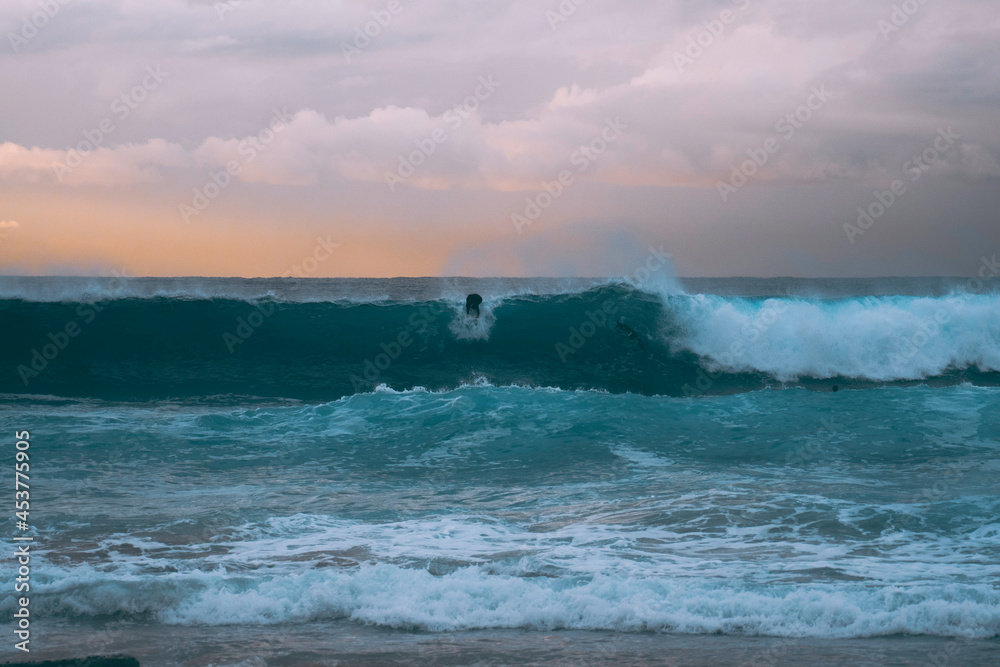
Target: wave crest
613, 337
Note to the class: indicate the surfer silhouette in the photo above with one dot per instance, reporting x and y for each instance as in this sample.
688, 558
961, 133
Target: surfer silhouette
472, 304
632, 334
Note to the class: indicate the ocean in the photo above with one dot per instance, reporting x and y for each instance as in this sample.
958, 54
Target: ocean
340, 471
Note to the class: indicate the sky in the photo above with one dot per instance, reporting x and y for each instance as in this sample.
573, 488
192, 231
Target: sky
498, 137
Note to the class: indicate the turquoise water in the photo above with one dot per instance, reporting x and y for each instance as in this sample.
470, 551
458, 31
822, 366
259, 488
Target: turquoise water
692, 473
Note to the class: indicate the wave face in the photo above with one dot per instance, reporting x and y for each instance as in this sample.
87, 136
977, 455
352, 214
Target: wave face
141, 343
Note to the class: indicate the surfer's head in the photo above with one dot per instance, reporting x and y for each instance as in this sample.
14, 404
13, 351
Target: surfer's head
472, 304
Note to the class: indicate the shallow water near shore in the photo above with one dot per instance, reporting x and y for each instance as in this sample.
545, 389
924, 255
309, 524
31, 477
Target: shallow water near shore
346, 644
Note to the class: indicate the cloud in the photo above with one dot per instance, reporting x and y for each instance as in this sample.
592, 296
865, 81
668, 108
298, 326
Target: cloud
9, 224
458, 148
697, 92
120, 165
